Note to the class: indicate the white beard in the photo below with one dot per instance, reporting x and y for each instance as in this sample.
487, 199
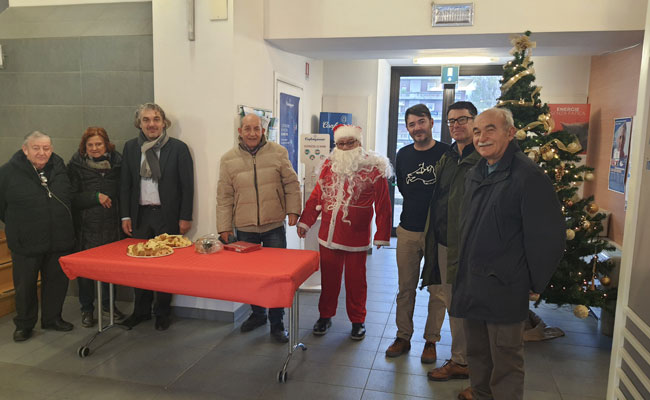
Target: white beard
354, 167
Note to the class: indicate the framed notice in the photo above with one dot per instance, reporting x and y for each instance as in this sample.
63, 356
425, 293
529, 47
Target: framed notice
620, 154
289, 107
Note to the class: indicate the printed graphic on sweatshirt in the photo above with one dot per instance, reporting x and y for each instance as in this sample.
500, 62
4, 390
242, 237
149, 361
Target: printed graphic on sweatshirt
424, 174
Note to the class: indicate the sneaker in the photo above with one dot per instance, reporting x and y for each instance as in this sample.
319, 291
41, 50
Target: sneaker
449, 370
87, 320
399, 347
358, 331
429, 353
466, 394
253, 322
322, 326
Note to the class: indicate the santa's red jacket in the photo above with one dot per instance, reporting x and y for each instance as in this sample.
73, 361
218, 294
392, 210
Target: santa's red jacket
351, 232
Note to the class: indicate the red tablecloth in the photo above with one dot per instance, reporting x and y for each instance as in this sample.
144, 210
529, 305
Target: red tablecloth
267, 277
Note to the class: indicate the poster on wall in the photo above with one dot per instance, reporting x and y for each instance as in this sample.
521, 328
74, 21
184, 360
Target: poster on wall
289, 106
328, 120
315, 149
572, 118
620, 154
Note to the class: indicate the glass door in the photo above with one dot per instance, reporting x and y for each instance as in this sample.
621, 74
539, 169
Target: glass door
422, 85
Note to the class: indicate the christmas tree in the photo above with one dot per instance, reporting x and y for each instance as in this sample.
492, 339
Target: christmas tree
580, 279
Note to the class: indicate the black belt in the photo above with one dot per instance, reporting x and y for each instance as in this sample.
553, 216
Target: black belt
151, 206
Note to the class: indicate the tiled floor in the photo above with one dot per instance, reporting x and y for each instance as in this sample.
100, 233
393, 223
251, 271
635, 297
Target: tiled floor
209, 360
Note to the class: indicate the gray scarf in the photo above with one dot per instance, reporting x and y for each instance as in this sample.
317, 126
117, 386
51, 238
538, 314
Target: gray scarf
150, 167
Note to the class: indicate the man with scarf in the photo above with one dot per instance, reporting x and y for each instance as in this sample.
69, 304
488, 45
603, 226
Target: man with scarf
351, 181
156, 194
257, 189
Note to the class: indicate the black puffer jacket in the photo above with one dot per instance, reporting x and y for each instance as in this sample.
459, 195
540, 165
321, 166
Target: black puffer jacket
36, 223
94, 224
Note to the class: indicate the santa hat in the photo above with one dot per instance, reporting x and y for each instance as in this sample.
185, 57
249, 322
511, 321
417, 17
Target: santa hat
344, 131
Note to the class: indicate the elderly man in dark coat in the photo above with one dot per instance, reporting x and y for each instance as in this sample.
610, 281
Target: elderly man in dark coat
512, 236
35, 199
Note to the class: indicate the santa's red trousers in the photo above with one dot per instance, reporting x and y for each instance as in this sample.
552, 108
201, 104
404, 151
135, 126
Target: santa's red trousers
331, 265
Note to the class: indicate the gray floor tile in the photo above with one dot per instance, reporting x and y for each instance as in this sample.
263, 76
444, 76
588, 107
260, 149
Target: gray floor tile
308, 390
374, 395
413, 385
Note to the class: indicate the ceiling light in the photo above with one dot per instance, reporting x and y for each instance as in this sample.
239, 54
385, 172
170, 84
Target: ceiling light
454, 60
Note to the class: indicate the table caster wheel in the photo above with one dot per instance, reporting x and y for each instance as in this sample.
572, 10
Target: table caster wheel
83, 351
282, 376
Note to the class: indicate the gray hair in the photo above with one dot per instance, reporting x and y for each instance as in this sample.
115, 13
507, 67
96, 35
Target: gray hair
35, 135
150, 106
506, 114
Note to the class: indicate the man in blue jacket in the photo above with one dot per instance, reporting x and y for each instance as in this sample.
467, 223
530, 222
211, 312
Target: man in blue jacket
512, 236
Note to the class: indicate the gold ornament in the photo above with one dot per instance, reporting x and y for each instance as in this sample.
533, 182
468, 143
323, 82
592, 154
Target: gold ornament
592, 208
569, 203
605, 280
570, 234
581, 311
573, 147
533, 155
548, 156
586, 224
589, 176
520, 135
521, 43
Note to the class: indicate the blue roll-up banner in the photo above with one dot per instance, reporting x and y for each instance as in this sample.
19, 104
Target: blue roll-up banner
289, 106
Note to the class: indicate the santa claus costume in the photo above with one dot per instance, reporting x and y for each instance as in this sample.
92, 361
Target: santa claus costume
350, 183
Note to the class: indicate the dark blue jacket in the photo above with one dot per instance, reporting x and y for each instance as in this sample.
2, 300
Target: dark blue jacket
512, 238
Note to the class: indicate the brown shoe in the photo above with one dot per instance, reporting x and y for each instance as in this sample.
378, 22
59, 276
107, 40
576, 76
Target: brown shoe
466, 394
449, 370
399, 347
429, 353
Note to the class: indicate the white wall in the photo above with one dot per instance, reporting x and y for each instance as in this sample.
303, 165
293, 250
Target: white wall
376, 18
256, 62
383, 101
351, 86
200, 83
564, 80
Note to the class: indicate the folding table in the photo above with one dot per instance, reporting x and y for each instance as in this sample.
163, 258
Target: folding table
267, 277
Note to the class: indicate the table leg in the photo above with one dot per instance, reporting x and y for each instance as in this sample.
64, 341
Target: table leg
294, 335
84, 350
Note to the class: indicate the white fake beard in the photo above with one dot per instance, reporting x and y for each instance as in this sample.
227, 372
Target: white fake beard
346, 162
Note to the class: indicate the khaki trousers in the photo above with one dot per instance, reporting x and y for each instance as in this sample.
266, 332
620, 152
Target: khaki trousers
495, 354
410, 250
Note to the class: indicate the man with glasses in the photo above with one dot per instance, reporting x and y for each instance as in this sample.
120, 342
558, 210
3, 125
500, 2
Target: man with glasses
441, 233
35, 200
351, 182
256, 191
414, 169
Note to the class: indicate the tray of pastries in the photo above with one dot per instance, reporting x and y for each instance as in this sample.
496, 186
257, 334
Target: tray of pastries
149, 249
173, 241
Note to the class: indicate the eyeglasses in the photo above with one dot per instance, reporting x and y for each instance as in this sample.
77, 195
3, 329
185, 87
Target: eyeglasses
461, 120
349, 143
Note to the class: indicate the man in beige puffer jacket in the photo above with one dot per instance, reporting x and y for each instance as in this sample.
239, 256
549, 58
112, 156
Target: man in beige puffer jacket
257, 189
